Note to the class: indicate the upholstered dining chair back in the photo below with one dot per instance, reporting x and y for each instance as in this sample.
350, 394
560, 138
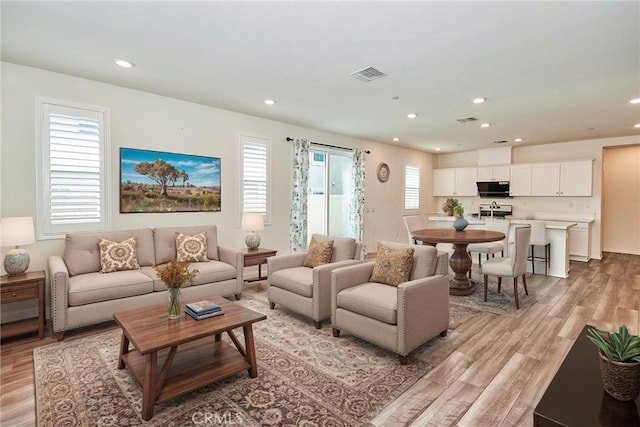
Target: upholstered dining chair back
521, 248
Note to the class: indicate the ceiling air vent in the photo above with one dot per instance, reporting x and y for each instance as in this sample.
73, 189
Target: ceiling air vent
467, 120
500, 142
368, 74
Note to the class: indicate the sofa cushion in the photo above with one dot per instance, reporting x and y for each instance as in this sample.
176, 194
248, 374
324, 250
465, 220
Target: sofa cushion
208, 272
191, 248
392, 267
343, 247
374, 300
298, 280
82, 254
116, 256
95, 287
318, 253
165, 241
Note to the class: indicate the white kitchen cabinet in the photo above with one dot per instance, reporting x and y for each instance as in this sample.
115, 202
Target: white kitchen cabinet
545, 179
576, 178
455, 182
520, 180
493, 173
562, 179
580, 242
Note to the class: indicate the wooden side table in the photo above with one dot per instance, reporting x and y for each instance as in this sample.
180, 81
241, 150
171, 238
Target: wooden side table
22, 288
257, 257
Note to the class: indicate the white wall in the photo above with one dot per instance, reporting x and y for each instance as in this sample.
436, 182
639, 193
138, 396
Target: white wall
143, 120
576, 150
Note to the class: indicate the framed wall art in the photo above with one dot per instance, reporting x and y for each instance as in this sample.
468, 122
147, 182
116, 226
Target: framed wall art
157, 181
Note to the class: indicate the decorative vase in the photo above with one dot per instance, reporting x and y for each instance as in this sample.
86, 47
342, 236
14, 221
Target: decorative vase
620, 380
460, 223
174, 303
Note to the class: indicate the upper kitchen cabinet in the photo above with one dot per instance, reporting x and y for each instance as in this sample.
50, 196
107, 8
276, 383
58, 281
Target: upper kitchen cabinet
455, 182
493, 173
520, 180
562, 179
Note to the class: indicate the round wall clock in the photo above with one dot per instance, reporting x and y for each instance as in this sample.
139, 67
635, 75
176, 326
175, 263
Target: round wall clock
383, 172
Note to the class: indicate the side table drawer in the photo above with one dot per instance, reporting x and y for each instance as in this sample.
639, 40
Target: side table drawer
18, 293
248, 262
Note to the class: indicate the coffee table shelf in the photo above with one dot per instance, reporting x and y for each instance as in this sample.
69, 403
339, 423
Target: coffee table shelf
190, 370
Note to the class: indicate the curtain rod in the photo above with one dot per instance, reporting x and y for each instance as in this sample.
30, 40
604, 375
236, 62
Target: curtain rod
330, 146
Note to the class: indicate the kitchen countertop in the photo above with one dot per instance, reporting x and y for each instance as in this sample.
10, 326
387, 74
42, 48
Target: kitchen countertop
557, 225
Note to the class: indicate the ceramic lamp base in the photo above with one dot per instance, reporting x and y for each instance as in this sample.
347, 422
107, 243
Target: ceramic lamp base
252, 241
16, 261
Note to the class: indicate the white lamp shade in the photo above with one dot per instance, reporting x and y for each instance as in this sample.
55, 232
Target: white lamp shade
16, 231
252, 222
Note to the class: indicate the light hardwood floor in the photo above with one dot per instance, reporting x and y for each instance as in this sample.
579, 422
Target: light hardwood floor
490, 371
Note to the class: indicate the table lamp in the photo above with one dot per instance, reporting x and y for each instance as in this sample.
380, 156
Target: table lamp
252, 222
15, 231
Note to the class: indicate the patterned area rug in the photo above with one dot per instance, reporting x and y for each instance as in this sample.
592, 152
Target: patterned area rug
305, 377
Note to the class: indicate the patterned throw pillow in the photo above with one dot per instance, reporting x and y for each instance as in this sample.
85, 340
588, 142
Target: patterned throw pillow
318, 253
192, 248
392, 267
118, 256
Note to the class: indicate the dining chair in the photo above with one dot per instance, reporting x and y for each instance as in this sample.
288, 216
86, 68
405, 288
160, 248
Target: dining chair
539, 238
513, 266
412, 223
491, 248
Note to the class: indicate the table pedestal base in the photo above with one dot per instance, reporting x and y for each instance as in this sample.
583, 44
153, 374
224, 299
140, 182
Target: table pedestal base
460, 263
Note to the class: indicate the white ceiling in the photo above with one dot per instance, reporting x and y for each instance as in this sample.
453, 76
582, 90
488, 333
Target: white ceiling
552, 71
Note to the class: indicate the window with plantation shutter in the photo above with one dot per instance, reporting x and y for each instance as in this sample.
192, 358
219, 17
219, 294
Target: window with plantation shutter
411, 187
255, 175
72, 164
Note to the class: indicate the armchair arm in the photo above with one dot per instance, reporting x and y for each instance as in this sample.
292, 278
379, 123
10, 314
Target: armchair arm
280, 262
442, 264
235, 258
322, 286
423, 311
346, 277
59, 282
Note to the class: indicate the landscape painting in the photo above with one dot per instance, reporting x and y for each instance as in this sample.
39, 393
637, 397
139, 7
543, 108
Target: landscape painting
156, 181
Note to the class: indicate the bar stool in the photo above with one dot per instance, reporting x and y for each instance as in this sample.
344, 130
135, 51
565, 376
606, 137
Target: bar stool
539, 238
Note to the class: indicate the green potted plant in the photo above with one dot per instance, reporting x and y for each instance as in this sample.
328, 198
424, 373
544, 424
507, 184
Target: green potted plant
449, 205
619, 362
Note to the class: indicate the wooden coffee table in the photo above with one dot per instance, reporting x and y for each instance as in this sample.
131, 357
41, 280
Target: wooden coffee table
203, 357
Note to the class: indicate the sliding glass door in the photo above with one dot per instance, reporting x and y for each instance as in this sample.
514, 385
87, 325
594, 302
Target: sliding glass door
329, 192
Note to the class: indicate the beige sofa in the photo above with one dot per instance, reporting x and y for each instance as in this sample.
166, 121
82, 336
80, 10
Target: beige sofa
81, 295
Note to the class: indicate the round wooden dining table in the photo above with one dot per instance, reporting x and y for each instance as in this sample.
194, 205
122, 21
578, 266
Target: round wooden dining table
460, 261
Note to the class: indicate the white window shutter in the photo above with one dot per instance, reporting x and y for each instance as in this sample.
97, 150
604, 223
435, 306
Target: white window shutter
255, 175
411, 187
73, 170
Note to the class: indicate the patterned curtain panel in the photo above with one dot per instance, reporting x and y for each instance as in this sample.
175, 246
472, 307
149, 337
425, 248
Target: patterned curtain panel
298, 220
356, 208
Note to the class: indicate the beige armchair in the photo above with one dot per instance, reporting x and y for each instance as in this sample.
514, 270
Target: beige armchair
397, 318
308, 290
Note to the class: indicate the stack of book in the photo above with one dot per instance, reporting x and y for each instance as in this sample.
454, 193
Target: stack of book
203, 309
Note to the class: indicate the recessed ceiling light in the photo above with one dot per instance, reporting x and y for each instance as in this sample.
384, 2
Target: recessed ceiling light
479, 100
518, 140
123, 63
637, 125
269, 101
485, 125
396, 139
412, 115
635, 101
437, 148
